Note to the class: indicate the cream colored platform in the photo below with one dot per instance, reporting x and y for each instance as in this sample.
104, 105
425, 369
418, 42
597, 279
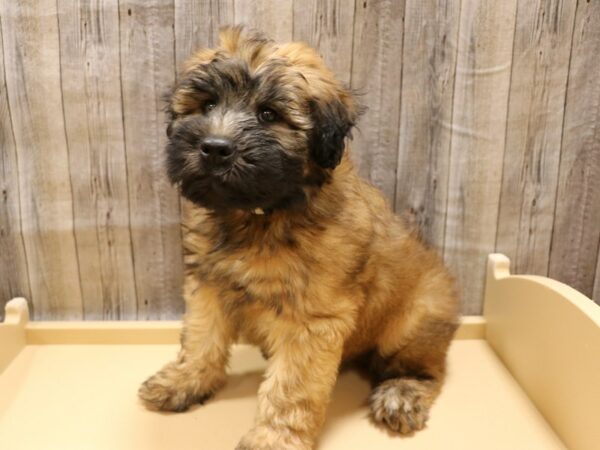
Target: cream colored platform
63, 387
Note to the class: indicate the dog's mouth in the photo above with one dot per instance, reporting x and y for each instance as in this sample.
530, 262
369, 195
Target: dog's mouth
232, 187
232, 176
220, 174
245, 184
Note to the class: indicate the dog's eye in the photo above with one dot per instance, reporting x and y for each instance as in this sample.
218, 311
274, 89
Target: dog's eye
209, 105
267, 115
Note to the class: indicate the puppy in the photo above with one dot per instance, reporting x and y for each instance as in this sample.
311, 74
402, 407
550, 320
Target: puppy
287, 248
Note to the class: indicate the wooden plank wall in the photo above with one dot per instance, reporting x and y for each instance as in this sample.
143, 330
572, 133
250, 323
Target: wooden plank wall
482, 129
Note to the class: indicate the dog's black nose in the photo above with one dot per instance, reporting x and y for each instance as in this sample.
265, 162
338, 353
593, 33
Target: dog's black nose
217, 149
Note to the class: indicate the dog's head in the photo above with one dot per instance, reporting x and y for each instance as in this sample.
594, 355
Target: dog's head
252, 124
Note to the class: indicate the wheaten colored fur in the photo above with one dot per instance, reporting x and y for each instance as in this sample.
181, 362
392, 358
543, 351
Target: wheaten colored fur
339, 279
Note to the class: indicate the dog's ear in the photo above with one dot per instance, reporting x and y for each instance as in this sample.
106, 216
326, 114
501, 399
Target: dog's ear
332, 122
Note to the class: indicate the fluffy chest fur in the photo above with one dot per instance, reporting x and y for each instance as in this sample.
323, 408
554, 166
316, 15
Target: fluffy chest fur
255, 259
274, 268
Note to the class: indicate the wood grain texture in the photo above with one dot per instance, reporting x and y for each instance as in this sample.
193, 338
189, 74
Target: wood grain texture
377, 72
273, 18
197, 25
596, 291
430, 44
478, 131
32, 66
328, 26
481, 129
91, 91
14, 277
576, 234
541, 53
147, 70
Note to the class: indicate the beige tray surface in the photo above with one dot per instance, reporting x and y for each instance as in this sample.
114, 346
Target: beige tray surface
84, 398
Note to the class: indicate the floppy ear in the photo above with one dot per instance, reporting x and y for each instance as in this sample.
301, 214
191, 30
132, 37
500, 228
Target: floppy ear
332, 122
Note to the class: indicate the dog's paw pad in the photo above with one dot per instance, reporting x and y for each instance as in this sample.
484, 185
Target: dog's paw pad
402, 405
158, 394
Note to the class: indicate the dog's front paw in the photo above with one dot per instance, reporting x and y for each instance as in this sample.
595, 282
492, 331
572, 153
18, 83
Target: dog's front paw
172, 389
267, 438
401, 404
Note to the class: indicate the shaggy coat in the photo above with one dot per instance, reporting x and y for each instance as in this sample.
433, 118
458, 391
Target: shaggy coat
288, 249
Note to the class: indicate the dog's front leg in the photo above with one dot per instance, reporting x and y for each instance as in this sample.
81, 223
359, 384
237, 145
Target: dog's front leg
199, 369
293, 398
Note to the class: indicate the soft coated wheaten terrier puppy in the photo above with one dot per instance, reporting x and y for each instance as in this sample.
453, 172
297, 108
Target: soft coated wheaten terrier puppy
288, 249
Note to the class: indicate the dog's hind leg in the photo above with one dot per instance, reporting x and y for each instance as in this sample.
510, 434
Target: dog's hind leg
408, 380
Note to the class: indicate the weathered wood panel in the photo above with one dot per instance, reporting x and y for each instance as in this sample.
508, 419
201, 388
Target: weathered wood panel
91, 91
14, 279
477, 148
576, 231
31, 63
430, 44
542, 49
197, 25
467, 134
377, 73
328, 26
273, 18
596, 292
147, 70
